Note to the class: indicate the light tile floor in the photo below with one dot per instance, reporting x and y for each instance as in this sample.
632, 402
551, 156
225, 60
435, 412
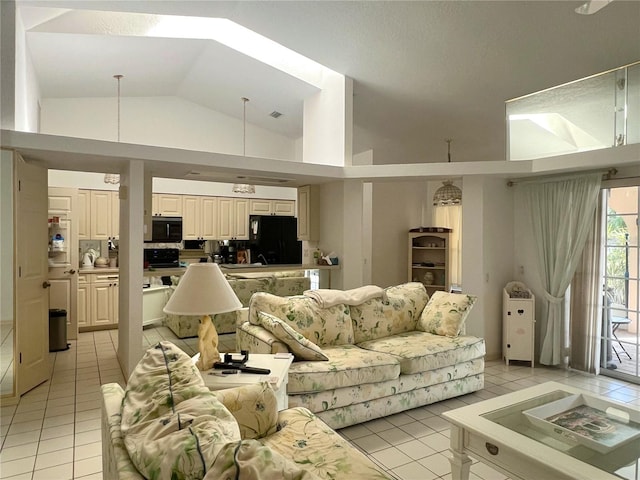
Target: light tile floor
53, 433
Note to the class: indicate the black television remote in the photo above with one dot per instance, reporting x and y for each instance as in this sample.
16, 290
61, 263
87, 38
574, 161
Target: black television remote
242, 368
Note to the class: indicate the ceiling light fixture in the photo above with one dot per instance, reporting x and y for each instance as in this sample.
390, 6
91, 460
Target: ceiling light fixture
114, 178
244, 187
448, 194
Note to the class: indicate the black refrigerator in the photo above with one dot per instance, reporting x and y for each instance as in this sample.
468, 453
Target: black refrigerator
275, 238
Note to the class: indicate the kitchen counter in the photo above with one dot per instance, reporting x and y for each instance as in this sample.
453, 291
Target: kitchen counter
240, 268
98, 270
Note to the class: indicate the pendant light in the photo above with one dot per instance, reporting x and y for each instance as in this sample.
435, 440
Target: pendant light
448, 193
114, 178
244, 187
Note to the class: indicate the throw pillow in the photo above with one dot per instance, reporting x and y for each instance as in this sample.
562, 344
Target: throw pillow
445, 313
301, 347
172, 425
254, 407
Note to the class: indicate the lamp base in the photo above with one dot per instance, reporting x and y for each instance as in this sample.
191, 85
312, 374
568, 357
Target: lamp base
207, 344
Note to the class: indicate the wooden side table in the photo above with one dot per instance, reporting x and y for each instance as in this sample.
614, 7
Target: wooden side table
278, 378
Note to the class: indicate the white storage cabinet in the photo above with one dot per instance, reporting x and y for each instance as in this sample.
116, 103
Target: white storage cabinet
518, 323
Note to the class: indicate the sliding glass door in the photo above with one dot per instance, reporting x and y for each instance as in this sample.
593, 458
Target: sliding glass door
621, 288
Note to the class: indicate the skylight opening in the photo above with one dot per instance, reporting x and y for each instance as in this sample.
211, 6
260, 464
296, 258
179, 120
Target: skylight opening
243, 40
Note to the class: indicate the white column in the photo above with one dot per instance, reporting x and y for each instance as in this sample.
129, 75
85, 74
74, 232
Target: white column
352, 246
131, 265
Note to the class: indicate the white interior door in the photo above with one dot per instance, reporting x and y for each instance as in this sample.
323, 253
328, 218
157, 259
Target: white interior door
32, 296
63, 268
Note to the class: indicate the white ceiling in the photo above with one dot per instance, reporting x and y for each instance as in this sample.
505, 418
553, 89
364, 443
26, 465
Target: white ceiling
423, 71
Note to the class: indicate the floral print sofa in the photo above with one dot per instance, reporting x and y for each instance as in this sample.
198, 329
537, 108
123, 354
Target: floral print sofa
360, 362
166, 424
244, 285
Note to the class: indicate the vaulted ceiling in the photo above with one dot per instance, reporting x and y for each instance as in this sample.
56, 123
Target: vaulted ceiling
423, 71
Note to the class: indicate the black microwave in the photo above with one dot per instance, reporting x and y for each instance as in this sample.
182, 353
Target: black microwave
166, 229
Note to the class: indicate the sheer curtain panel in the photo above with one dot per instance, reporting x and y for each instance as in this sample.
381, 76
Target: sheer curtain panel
561, 212
585, 321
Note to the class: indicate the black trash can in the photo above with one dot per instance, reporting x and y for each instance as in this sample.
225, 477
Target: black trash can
58, 330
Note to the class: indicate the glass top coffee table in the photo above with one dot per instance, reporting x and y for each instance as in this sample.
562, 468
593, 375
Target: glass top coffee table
550, 431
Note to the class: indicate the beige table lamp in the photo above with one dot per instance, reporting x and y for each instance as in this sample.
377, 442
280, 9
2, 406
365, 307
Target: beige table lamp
203, 290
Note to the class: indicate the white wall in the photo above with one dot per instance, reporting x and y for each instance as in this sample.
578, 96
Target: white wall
487, 255
332, 225
6, 235
397, 208
8, 63
161, 121
27, 87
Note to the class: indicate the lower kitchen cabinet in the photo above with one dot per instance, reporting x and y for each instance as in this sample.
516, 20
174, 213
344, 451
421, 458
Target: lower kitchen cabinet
98, 298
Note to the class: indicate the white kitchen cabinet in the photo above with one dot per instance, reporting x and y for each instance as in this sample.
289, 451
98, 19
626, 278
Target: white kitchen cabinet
199, 217
191, 217
84, 301
260, 206
97, 301
309, 213
233, 218
167, 204
104, 300
104, 216
83, 210
518, 323
115, 214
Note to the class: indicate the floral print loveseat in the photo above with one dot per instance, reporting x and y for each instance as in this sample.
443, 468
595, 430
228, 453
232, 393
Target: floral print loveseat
355, 363
166, 424
244, 285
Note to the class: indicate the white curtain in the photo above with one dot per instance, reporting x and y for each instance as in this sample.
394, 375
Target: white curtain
561, 212
450, 216
585, 322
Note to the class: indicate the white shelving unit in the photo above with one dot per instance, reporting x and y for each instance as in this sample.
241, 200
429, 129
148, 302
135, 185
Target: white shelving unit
518, 323
429, 258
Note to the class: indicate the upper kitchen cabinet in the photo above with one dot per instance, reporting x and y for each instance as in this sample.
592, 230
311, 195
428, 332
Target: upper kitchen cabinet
167, 204
83, 211
259, 206
104, 216
308, 213
233, 218
200, 217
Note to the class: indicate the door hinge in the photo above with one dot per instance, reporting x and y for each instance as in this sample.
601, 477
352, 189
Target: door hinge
19, 272
19, 185
21, 358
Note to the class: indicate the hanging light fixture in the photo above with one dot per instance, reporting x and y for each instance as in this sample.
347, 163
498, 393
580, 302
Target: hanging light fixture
114, 178
448, 193
244, 187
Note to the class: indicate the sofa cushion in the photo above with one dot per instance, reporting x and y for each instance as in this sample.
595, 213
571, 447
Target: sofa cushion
445, 313
252, 459
376, 318
348, 365
323, 326
309, 442
172, 425
422, 352
254, 407
301, 347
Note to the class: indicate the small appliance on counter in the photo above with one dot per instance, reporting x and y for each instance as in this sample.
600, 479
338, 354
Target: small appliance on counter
161, 258
88, 258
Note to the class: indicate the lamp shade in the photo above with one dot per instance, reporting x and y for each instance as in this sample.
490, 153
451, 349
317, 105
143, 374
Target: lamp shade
202, 290
447, 194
